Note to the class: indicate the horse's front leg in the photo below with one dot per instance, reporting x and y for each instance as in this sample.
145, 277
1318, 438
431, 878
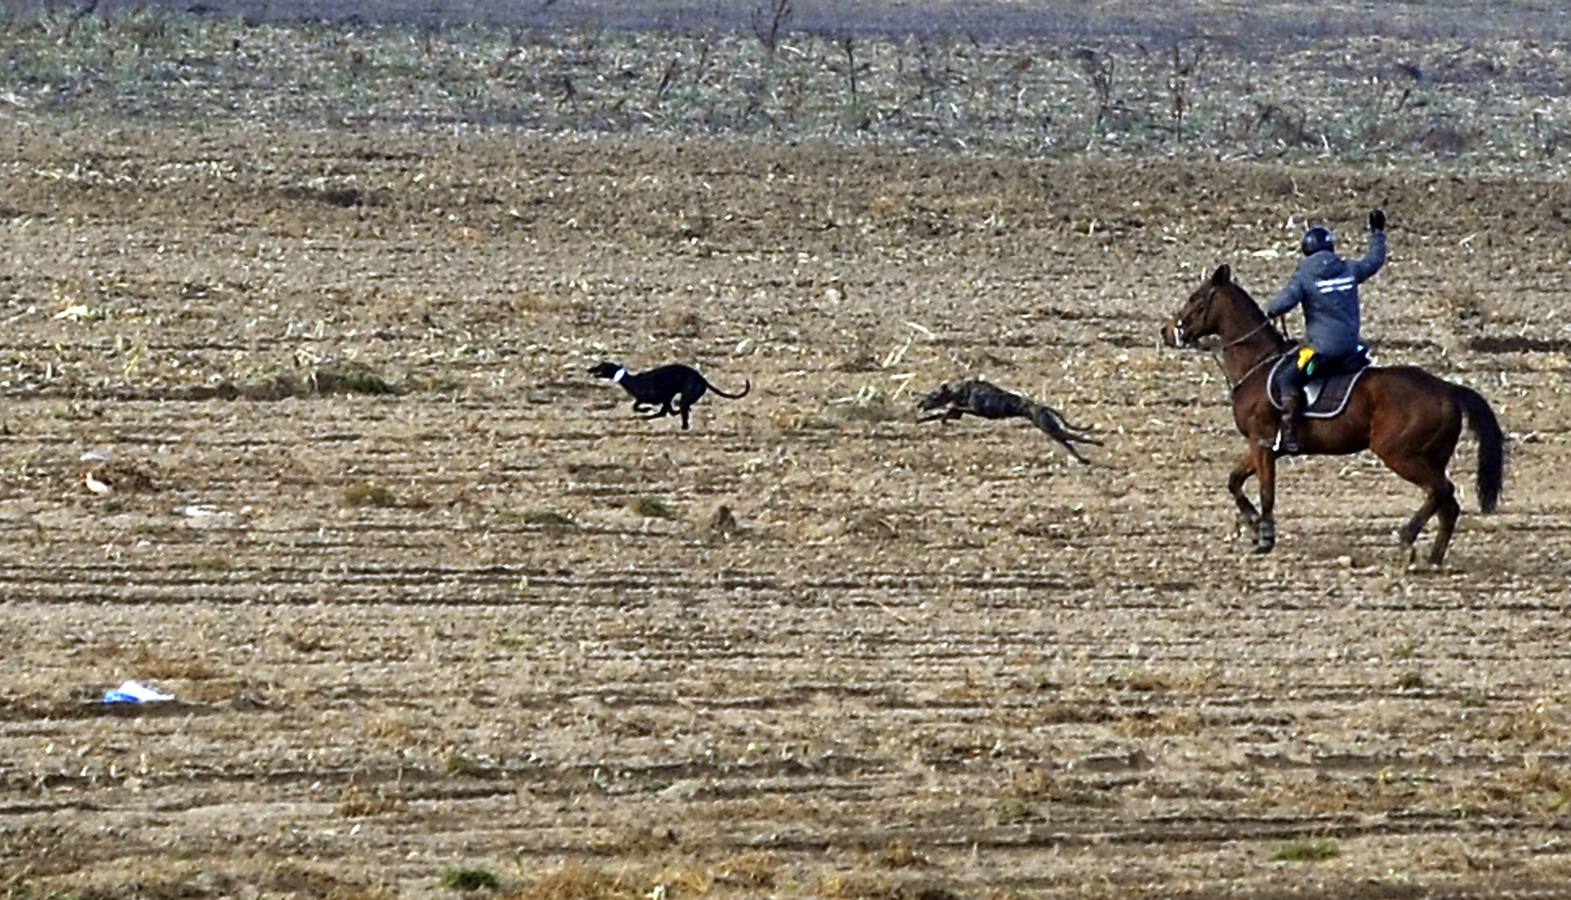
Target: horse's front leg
1265, 469
1248, 516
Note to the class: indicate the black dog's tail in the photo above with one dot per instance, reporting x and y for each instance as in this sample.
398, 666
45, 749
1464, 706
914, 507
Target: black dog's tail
1052, 421
745, 388
1491, 445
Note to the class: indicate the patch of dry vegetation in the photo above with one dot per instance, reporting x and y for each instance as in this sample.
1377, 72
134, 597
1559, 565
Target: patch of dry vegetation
1438, 98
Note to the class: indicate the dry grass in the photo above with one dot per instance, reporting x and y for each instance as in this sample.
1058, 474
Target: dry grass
752, 870
358, 802
156, 666
576, 881
799, 688
543, 518
881, 887
367, 493
395, 729
652, 508
1307, 851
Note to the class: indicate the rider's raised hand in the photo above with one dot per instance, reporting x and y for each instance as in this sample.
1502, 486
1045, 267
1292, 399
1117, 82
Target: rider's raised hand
1377, 220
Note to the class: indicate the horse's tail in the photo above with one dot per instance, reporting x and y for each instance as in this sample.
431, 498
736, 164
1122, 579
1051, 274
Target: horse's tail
1491, 444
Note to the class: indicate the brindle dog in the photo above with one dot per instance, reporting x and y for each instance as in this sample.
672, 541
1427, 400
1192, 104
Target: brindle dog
989, 401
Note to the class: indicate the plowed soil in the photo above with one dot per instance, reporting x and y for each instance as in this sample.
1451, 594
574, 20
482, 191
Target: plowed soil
490, 619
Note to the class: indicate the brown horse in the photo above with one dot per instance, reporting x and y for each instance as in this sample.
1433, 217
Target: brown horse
1410, 418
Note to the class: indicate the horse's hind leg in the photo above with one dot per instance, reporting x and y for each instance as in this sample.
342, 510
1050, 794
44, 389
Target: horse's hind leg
1449, 511
1247, 514
1422, 459
1440, 496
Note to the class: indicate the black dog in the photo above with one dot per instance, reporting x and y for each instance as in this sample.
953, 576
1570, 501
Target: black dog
673, 388
979, 398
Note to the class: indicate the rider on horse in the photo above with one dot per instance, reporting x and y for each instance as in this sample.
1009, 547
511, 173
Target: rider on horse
1327, 286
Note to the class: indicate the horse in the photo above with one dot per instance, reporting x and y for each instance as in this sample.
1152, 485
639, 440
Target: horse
1408, 417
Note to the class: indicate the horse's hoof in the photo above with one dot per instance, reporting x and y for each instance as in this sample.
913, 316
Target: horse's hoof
1243, 523
1265, 536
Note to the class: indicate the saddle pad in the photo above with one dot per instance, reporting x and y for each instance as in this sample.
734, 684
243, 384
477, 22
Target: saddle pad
1326, 398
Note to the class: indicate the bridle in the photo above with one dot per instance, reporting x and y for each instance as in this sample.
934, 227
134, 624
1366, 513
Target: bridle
1216, 352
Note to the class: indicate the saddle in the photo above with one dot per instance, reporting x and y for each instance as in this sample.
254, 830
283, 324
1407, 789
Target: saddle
1325, 396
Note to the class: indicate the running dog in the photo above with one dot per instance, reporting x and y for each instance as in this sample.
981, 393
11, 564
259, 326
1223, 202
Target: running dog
988, 401
674, 389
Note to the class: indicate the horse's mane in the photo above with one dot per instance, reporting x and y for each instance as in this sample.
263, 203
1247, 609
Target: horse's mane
1249, 303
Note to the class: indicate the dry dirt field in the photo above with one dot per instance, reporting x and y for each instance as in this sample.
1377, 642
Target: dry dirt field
438, 610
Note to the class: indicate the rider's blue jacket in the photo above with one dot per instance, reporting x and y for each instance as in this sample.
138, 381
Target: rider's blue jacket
1327, 286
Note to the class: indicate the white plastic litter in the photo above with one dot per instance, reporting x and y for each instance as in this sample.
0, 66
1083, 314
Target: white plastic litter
135, 692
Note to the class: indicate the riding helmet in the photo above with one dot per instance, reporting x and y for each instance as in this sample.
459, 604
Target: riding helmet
1316, 239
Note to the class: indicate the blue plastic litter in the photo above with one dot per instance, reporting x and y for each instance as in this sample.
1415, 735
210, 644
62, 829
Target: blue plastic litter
135, 692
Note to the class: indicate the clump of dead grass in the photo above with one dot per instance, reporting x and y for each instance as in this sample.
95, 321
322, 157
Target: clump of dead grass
359, 802
872, 524
1162, 725
677, 323
1033, 786
1308, 850
723, 525
1195, 680
576, 881
368, 493
121, 476
154, 665
393, 729
543, 518
858, 886
326, 379
1013, 810
756, 869
867, 406
901, 854
1536, 786
1411, 680
468, 765
529, 301
653, 508
470, 878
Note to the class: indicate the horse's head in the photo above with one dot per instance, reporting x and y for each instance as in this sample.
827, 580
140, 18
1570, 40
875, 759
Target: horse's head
1200, 315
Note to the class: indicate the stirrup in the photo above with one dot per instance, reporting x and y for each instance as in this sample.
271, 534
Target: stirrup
1281, 445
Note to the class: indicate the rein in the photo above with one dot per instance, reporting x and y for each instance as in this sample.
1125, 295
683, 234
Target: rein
1233, 386
1247, 335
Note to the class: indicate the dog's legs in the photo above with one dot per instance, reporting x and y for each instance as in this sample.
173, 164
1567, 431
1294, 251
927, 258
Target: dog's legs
1075, 432
685, 411
660, 413
945, 415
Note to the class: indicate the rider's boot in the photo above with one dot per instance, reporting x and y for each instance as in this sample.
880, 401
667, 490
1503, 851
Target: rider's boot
1288, 436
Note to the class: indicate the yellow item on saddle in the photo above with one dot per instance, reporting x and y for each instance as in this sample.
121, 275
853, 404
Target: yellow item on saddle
1306, 360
